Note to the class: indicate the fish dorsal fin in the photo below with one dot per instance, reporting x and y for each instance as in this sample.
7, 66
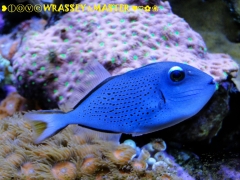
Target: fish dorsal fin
92, 73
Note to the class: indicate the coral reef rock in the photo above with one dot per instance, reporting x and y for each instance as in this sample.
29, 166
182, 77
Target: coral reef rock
119, 41
234, 8
215, 166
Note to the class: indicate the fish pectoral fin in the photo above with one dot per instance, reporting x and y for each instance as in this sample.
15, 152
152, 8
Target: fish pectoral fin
90, 75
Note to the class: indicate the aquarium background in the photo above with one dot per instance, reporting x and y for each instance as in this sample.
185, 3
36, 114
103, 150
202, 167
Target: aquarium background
42, 54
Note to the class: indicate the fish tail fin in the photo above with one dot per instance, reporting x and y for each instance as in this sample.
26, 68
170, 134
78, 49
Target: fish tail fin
46, 123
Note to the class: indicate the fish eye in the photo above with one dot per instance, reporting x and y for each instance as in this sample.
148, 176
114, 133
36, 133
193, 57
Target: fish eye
176, 74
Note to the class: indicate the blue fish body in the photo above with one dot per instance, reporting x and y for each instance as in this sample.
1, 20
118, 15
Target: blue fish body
140, 101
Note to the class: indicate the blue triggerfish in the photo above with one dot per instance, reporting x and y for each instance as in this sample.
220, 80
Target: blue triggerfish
140, 101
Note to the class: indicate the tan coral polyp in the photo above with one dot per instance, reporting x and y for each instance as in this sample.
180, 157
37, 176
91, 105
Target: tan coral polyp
139, 165
28, 170
15, 159
89, 165
122, 154
64, 170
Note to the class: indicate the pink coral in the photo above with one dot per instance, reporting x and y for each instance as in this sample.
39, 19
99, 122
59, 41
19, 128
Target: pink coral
9, 44
120, 41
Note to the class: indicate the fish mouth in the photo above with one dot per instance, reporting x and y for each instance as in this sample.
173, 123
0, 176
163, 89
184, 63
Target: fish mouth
184, 95
189, 94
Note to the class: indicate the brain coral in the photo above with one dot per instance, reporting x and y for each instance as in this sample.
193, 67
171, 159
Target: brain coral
119, 41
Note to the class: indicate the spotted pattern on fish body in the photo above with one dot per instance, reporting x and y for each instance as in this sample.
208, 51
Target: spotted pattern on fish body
140, 101
126, 102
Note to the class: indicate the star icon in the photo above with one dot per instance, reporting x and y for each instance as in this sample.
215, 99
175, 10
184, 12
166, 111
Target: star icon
147, 8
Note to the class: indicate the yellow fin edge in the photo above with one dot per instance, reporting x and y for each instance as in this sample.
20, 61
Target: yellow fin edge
39, 127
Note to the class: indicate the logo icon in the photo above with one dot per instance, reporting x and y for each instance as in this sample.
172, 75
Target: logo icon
20, 8
37, 8
29, 8
134, 8
147, 8
4, 8
11, 8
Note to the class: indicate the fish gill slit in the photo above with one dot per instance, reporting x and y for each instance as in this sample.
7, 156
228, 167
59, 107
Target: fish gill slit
164, 99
